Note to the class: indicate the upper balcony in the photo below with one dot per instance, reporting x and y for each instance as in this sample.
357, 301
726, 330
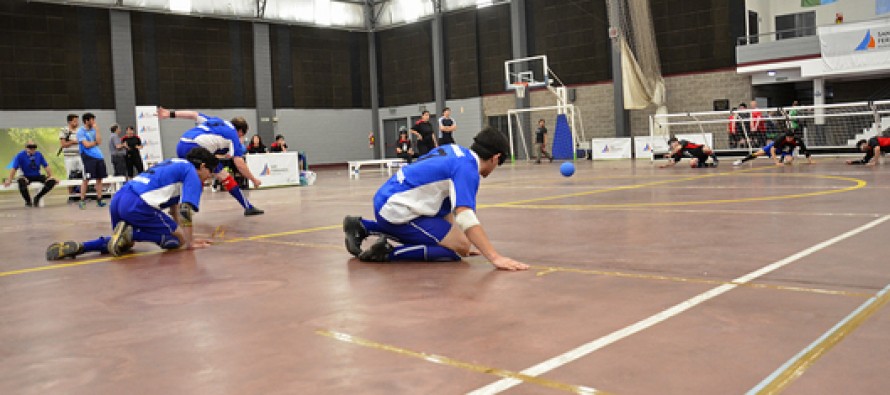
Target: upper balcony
777, 46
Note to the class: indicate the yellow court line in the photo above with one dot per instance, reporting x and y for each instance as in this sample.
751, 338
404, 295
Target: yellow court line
798, 365
138, 254
619, 188
545, 270
438, 359
859, 184
301, 244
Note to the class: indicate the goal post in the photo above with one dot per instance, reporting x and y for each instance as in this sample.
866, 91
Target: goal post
827, 128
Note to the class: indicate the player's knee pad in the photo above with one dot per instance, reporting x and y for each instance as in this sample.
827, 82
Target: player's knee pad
229, 183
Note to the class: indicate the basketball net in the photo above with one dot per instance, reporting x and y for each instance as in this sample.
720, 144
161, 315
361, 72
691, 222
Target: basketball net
520, 88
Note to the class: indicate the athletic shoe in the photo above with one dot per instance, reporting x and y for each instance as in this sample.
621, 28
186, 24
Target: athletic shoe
100, 203
355, 234
379, 252
122, 239
252, 211
37, 202
62, 250
82, 204
29, 204
737, 163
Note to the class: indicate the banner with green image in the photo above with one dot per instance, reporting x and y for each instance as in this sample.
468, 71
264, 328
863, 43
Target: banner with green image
12, 141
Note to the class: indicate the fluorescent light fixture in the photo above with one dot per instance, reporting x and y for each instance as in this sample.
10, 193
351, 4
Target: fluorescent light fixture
484, 3
771, 73
323, 12
180, 5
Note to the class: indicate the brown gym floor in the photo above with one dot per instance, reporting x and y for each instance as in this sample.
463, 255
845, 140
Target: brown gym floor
636, 287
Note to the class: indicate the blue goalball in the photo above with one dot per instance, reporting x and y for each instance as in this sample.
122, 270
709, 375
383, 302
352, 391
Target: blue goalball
567, 169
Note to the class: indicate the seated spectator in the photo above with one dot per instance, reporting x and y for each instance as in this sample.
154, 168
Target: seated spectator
403, 146
256, 145
29, 162
279, 145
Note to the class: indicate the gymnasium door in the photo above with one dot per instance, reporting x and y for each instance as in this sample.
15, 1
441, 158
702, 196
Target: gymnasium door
391, 135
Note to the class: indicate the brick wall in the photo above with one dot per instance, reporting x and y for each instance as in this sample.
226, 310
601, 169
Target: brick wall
691, 92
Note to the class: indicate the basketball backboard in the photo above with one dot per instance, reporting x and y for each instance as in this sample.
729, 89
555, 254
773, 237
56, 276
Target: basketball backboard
532, 71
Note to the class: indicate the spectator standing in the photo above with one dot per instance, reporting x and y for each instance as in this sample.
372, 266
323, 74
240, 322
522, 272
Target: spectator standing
89, 139
134, 156
426, 139
118, 151
540, 146
29, 161
757, 125
70, 150
446, 127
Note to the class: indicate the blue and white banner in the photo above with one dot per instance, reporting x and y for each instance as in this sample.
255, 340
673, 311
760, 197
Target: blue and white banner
855, 46
148, 128
274, 169
611, 148
646, 146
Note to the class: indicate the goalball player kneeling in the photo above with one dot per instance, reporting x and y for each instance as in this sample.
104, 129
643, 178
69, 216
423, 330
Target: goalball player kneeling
429, 207
136, 209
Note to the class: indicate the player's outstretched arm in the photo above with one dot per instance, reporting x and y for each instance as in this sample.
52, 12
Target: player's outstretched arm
466, 220
241, 165
164, 113
480, 239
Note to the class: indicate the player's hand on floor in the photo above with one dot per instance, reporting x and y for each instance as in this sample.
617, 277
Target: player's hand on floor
505, 263
201, 243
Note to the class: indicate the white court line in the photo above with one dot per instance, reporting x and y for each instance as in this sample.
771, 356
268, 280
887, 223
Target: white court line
585, 349
771, 379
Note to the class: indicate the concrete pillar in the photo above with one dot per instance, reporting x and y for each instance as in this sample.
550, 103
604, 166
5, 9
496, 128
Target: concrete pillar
122, 68
262, 66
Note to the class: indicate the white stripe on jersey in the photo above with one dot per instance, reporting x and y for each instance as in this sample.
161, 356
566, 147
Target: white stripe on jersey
157, 197
214, 142
423, 201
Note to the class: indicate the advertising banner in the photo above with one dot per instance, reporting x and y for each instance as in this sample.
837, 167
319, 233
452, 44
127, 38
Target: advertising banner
275, 169
148, 128
610, 148
855, 46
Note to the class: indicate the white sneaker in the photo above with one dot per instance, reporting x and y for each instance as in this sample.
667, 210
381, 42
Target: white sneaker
737, 163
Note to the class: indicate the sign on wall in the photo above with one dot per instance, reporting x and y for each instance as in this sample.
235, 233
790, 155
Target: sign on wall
148, 128
855, 46
645, 146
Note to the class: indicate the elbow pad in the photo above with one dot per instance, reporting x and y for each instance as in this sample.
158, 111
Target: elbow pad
466, 219
186, 211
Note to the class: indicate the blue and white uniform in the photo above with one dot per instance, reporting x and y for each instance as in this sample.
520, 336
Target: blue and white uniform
140, 201
412, 205
215, 134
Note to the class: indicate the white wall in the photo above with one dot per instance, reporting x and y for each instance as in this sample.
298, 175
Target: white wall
326, 136
853, 10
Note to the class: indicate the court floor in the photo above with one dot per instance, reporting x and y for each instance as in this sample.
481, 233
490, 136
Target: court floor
643, 280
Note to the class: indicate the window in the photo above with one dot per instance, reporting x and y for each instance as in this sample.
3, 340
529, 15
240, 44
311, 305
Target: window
796, 25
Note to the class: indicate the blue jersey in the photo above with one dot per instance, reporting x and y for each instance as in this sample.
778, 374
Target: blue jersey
167, 183
216, 135
440, 181
29, 164
88, 135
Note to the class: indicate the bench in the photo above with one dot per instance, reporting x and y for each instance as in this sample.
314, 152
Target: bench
386, 165
110, 184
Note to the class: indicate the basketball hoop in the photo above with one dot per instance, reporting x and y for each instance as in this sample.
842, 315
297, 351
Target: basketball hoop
520, 88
